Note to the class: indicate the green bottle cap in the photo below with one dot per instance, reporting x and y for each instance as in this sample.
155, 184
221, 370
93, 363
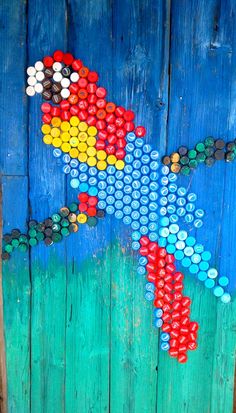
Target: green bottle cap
192, 154
23, 238
73, 207
32, 233
56, 227
15, 243
23, 247
184, 160
8, 248
92, 221
230, 146
201, 157
193, 163
209, 141
40, 236
65, 232
56, 237
56, 218
40, 227
65, 222
185, 170
33, 242
200, 147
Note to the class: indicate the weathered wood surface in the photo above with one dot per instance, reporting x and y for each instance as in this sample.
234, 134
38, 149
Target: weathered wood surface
78, 332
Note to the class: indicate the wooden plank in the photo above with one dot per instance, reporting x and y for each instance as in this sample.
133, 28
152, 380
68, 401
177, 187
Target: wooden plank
140, 82
3, 377
89, 255
46, 33
16, 297
13, 123
200, 104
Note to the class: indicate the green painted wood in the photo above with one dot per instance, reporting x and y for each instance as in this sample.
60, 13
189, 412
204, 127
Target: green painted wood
17, 289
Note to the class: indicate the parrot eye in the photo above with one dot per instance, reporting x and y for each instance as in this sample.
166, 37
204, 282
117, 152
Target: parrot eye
52, 82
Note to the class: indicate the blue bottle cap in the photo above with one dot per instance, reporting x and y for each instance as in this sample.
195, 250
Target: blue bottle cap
182, 191
204, 265
202, 275
119, 195
206, 255
174, 228
83, 187
181, 201
110, 209
127, 210
74, 173
172, 238
102, 204
139, 142
136, 194
165, 337
162, 242
66, 158
193, 268
179, 255
171, 209
143, 261
223, 281
102, 194
188, 251
93, 191
143, 230
164, 232
186, 262
164, 221
83, 177
92, 181
163, 211
158, 312
144, 200
83, 167
182, 235
136, 174
119, 175
127, 220
190, 207
154, 155
196, 258
190, 241
198, 223
57, 153
218, 291
110, 190
119, 215
143, 219
130, 137
145, 159
153, 236
135, 246
189, 218
153, 226
129, 158
74, 183
225, 298
66, 169
199, 213
181, 212
141, 271
74, 163
153, 196
158, 322
198, 248
192, 197
135, 225
170, 249
209, 283
135, 214
145, 169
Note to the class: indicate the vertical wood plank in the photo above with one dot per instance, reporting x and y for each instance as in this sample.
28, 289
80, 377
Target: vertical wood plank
16, 294
46, 33
14, 159
140, 82
3, 377
200, 105
88, 260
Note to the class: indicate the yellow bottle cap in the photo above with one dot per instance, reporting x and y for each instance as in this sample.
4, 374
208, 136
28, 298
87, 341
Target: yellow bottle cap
74, 120
92, 131
101, 165
82, 218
